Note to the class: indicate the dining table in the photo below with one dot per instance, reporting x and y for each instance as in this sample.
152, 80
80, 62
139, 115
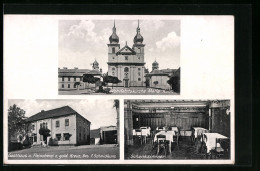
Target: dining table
145, 132
198, 131
210, 140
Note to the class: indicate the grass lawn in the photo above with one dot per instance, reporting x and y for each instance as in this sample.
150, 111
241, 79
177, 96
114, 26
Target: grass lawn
84, 152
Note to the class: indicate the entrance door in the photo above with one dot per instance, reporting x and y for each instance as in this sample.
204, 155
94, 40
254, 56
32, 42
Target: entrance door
126, 83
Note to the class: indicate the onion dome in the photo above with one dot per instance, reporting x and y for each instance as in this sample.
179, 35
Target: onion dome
155, 63
114, 38
138, 39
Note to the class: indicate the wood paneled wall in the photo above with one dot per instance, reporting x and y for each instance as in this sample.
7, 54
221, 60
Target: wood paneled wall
184, 121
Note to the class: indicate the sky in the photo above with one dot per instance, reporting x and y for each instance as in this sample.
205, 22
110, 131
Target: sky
83, 41
89, 109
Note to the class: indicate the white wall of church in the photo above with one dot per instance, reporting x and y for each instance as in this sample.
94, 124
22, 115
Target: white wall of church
162, 82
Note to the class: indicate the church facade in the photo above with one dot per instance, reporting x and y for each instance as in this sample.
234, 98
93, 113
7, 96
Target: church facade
127, 64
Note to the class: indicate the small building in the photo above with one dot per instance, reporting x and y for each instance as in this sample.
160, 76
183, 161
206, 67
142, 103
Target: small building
159, 78
95, 136
67, 127
108, 135
69, 77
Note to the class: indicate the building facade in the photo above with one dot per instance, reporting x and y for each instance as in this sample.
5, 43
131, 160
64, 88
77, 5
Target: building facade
127, 64
72, 79
66, 126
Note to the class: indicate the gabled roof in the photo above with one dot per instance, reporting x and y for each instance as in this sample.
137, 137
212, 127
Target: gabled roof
94, 72
72, 72
162, 72
62, 111
95, 133
126, 50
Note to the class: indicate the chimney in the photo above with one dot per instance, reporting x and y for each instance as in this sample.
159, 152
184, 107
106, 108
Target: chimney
65, 68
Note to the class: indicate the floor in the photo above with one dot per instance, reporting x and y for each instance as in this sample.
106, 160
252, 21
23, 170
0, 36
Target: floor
187, 150
121, 91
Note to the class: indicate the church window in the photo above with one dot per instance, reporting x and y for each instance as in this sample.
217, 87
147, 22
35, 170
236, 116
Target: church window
113, 57
139, 58
75, 86
113, 69
69, 79
62, 85
113, 73
126, 57
139, 79
62, 78
139, 69
126, 69
68, 85
113, 50
139, 74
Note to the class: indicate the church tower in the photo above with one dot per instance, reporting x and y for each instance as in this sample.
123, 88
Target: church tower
155, 65
95, 65
138, 45
113, 45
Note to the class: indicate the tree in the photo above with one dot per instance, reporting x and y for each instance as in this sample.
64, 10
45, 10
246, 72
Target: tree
45, 132
16, 121
116, 105
90, 79
77, 84
175, 83
155, 83
111, 79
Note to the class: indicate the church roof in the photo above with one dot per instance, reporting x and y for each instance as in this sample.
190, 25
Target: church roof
62, 111
77, 72
94, 72
138, 37
166, 72
126, 50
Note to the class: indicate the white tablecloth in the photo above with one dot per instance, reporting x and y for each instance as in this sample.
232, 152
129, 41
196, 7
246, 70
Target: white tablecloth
144, 132
169, 135
211, 140
199, 129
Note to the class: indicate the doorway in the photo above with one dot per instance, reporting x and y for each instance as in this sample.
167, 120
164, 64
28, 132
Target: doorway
126, 83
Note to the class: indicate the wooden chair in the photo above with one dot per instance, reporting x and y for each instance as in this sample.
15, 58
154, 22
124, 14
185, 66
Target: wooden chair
138, 136
222, 148
161, 144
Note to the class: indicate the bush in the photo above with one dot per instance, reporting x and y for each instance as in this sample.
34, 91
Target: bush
14, 146
107, 90
53, 142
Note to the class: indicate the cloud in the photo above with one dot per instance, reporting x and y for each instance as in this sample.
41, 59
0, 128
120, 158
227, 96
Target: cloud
171, 41
150, 24
83, 30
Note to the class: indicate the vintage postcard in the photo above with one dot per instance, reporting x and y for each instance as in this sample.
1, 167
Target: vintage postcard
118, 89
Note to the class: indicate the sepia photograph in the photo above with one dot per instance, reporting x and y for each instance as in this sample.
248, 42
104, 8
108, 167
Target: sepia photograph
131, 57
63, 129
177, 129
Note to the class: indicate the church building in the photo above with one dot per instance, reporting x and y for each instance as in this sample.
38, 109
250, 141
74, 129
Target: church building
127, 64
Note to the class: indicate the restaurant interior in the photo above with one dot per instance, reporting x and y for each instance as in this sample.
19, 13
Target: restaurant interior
177, 129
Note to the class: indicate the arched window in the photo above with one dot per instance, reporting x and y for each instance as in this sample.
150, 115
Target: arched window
113, 69
113, 50
113, 73
126, 69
